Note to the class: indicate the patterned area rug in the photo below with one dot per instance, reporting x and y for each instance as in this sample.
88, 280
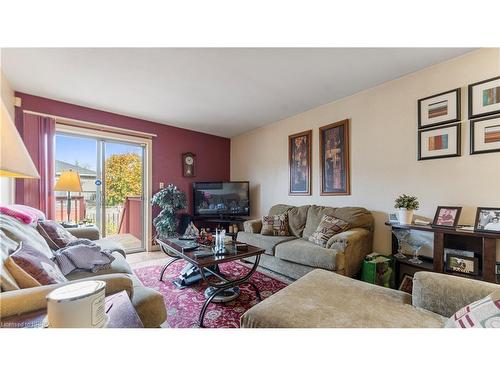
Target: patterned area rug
184, 305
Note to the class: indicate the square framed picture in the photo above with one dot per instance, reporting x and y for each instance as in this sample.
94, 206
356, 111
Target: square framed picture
439, 109
406, 284
299, 157
462, 264
485, 135
334, 158
441, 142
484, 98
447, 216
487, 220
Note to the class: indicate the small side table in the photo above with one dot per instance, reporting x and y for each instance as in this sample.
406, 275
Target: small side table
119, 308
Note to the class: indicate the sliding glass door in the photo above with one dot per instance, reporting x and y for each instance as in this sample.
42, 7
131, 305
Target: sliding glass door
112, 175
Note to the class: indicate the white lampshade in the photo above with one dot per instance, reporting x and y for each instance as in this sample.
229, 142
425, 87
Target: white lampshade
15, 160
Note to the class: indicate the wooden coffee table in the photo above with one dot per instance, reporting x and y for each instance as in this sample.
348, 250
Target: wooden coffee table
208, 265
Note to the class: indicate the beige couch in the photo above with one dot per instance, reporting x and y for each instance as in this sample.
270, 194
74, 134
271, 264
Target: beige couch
294, 256
148, 303
324, 299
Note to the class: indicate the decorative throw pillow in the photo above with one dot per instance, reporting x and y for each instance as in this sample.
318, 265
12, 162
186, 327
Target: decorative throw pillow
484, 313
275, 225
55, 234
31, 268
25, 217
39, 215
328, 227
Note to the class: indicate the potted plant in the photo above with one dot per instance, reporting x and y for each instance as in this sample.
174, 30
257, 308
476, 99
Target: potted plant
405, 205
170, 200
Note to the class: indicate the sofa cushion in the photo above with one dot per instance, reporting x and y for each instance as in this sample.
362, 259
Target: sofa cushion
297, 217
18, 232
279, 209
7, 247
323, 299
55, 234
484, 313
31, 268
304, 252
111, 246
328, 227
314, 216
119, 265
268, 243
149, 304
357, 217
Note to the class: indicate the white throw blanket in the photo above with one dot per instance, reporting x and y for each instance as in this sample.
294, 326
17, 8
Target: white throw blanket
83, 254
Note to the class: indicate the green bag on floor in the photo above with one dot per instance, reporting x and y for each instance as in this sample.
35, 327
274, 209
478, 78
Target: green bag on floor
378, 270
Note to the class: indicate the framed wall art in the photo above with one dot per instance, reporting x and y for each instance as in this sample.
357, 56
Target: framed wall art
439, 109
299, 157
485, 135
441, 142
334, 158
484, 98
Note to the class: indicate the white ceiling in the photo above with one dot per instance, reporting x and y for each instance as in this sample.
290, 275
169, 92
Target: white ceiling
221, 91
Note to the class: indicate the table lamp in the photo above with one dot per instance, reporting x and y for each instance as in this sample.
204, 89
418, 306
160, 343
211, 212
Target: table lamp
15, 161
69, 181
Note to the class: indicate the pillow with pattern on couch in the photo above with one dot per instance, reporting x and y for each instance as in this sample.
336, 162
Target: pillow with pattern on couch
275, 225
327, 228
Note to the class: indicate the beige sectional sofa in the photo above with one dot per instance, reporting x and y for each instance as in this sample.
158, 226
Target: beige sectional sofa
324, 299
148, 303
294, 256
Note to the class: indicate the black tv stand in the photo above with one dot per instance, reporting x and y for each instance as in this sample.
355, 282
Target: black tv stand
221, 222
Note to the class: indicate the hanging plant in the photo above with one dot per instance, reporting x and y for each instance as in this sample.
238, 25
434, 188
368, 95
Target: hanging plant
170, 200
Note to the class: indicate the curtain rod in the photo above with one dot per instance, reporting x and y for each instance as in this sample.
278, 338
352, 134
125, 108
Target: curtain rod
93, 125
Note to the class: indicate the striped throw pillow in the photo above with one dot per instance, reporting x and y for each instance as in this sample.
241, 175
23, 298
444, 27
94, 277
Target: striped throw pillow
328, 227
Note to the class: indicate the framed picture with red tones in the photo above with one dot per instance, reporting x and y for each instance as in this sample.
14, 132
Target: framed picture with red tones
299, 160
447, 216
334, 158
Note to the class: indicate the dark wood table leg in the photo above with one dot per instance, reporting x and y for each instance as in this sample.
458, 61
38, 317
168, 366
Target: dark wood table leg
489, 260
438, 252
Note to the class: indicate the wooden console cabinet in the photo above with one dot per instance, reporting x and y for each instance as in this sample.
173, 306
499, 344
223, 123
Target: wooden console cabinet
482, 244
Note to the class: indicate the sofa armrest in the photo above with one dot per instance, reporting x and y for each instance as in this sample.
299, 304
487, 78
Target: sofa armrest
27, 300
252, 226
355, 244
446, 294
91, 233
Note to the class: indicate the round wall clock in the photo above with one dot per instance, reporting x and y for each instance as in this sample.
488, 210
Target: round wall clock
189, 164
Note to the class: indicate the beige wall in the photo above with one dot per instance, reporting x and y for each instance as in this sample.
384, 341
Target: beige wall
7, 95
383, 150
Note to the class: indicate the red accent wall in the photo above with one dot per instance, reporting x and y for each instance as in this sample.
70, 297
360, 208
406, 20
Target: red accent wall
212, 152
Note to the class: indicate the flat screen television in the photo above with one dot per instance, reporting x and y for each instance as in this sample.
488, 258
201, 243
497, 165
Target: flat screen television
221, 199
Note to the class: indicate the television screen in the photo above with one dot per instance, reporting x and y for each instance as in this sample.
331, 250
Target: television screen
221, 198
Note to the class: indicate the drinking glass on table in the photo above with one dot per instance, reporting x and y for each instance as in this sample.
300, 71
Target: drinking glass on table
401, 235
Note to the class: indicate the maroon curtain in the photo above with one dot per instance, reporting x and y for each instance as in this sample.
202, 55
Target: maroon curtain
38, 134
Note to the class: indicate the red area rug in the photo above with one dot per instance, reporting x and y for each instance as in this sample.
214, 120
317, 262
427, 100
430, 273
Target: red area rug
184, 305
